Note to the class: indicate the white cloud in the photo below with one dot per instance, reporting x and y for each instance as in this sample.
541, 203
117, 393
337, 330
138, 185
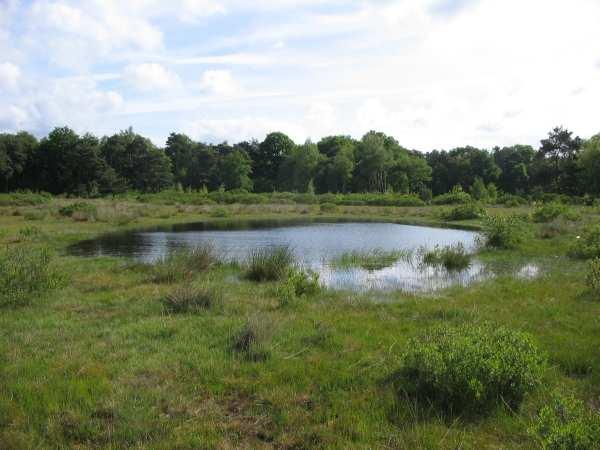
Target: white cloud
151, 77
10, 75
219, 82
241, 129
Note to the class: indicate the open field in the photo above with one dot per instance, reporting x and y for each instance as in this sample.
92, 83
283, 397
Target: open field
100, 362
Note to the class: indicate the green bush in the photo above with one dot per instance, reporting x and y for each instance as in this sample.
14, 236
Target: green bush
470, 369
453, 257
27, 272
467, 211
548, 212
219, 213
552, 230
298, 284
512, 201
455, 197
587, 245
505, 231
592, 278
190, 299
269, 264
183, 264
566, 424
36, 214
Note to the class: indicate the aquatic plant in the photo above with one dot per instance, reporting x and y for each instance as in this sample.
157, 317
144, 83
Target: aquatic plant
298, 284
374, 259
470, 368
452, 257
269, 264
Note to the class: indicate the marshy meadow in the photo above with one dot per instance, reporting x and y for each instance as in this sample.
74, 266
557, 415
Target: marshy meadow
140, 322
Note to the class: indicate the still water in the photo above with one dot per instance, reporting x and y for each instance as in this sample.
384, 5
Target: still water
315, 245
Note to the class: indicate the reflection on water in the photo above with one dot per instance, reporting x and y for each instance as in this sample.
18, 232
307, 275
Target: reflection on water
315, 245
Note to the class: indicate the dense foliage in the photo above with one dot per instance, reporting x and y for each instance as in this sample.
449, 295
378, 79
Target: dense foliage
470, 368
66, 163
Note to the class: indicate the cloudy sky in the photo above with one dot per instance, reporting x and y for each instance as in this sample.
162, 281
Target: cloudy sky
433, 73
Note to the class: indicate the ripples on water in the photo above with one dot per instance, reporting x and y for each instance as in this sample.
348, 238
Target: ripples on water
315, 245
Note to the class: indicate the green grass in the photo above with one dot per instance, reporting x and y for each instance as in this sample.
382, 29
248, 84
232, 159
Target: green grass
99, 363
368, 259
269, 264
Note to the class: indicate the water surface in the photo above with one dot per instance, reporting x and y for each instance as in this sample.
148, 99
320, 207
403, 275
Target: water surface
315, 245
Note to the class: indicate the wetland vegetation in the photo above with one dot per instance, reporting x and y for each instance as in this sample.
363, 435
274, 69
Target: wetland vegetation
194, 350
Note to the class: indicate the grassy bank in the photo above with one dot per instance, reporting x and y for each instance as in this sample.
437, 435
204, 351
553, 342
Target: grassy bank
104, 360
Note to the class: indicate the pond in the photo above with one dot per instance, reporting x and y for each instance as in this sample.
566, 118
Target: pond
316, 246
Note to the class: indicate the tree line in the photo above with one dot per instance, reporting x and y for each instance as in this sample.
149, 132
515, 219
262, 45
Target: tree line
84, 165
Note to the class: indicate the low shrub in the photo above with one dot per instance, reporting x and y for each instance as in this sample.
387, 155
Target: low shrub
467, 211
505, 231
592, 278
24, 198
328, 208
190, 299
470, 369
453, 257
80, 211
27, 272
566, 424
548, 212
587, 245
512, 201
452, 198
251, 342
269, 264
552, 230
183, 264
219, 213
36, 214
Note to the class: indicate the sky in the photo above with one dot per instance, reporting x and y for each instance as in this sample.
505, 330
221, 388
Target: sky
435, 74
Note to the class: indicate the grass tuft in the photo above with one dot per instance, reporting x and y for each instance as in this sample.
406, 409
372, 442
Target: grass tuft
269, 264
191, 299
183, 264
453, 257
375, 259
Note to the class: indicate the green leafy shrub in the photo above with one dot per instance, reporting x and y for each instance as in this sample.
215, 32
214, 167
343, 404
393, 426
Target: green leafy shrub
466, 211
512, 201
548, 212
470, 369
592, 278
587, 245
453, 257
298, 284
505, 231
191, 299
455, 197
183, 264
27, 272
566, 424
80, 211
269, 264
